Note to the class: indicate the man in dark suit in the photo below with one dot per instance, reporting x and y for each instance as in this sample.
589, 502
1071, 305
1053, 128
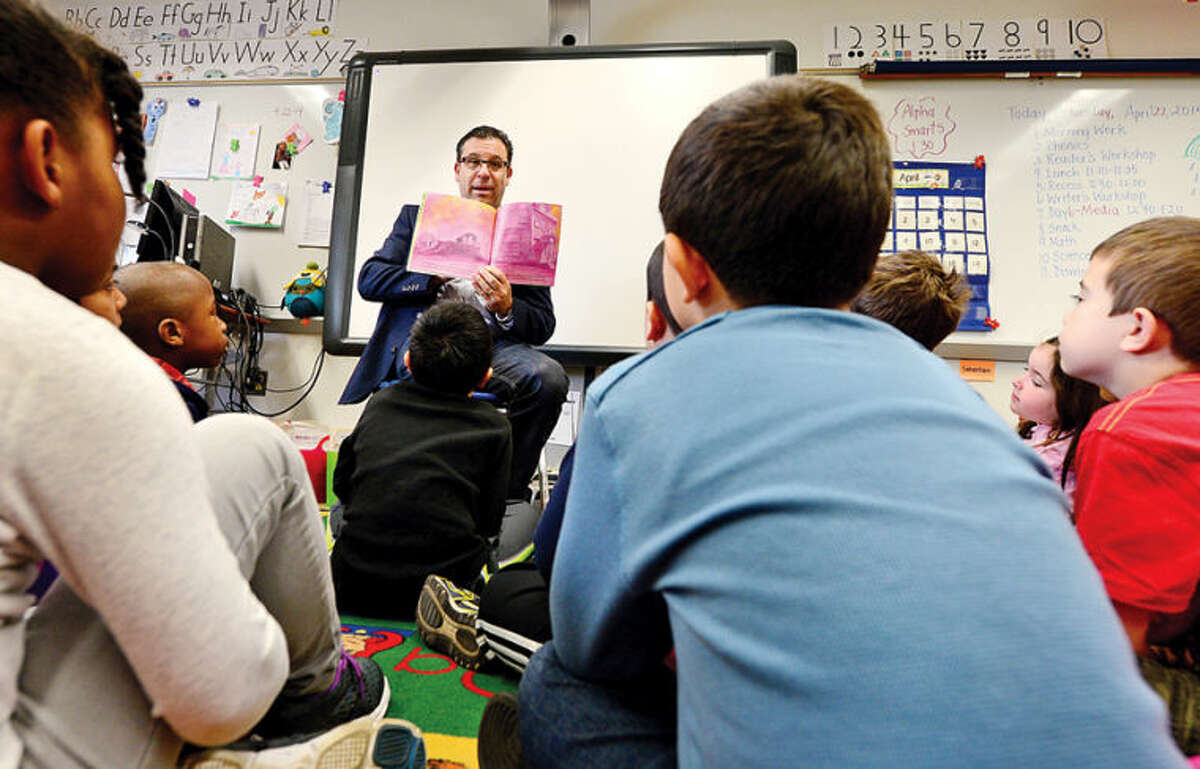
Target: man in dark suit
532, 384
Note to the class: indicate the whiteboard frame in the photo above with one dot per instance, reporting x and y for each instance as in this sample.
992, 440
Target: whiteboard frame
779, 57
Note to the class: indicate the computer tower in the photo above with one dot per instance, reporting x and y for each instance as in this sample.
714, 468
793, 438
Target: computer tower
211, 251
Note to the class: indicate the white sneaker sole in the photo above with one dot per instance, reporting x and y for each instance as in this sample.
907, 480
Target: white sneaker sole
367, 742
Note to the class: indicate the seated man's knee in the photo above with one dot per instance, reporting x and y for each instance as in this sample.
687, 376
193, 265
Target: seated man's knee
552, 380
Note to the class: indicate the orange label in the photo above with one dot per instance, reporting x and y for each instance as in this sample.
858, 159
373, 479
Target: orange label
977, 370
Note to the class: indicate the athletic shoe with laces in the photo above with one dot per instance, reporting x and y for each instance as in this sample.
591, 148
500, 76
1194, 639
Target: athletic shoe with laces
359, 689
499, 743
365, 743
446, 620
333, 729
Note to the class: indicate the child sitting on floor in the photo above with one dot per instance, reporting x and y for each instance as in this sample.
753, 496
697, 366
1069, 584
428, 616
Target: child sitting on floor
1054, 408
171, 313
1135, 331
424, 473
913, 292
183, 542
106, 301
509, 619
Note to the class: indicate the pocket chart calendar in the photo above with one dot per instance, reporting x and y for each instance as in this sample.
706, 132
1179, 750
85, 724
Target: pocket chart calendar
939, 208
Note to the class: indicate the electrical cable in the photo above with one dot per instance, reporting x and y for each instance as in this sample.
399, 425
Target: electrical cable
147, 231
317, 375
169, 257
311, 375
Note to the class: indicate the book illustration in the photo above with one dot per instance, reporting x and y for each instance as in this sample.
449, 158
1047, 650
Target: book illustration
456, 236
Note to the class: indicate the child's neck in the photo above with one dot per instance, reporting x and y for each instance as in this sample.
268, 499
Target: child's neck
179, 362
1148, 369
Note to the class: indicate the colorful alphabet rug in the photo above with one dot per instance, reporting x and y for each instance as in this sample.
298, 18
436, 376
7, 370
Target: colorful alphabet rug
429, 689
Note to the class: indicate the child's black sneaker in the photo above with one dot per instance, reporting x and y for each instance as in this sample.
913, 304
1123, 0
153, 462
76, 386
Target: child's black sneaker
359, 689
446, 620
499, 743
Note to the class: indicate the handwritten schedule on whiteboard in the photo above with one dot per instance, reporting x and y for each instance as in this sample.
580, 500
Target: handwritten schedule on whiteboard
1068, 164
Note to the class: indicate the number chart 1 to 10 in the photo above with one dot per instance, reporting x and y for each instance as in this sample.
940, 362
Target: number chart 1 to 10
852, 45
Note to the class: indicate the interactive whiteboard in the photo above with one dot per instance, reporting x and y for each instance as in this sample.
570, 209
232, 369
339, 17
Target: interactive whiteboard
591, 127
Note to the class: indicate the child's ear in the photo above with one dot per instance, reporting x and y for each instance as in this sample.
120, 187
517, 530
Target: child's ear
1146, 334
170, 332
691, 267
406, 356
40, 162
487, 375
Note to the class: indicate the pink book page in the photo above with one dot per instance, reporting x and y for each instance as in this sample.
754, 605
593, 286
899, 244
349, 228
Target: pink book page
526, 242
453, 236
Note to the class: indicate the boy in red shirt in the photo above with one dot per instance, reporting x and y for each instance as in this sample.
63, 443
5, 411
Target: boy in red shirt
1136, 332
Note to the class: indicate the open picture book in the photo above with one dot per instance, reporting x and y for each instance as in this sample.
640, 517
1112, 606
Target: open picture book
456, 236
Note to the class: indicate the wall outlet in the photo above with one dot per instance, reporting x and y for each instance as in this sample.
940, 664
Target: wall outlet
256, 382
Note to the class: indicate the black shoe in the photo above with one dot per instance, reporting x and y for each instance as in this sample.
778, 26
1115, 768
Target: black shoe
499, 743
359, 689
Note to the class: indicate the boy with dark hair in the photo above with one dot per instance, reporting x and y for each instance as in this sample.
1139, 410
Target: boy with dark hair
196, 543
913, 292
171, 313
1135, 331
510, 617
423, 475
834, 597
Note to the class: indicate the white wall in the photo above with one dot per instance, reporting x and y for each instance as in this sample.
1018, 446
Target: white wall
1148, 28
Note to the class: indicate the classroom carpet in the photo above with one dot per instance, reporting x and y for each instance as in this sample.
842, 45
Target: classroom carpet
429, 689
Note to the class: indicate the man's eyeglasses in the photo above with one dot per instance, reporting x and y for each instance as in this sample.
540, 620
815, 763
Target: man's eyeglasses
495, 165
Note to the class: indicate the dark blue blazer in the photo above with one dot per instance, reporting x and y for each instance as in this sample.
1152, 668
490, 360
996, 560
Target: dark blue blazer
405, 295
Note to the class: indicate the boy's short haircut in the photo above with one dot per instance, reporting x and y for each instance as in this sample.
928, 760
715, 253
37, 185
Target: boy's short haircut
1156, 264
153, 292
51, 72
450, 348
913, 292
785, 188
484, 132
655, 292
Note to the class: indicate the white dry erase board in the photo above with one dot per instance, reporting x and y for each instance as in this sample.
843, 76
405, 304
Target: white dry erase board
265, 259
591, 128
1068, 161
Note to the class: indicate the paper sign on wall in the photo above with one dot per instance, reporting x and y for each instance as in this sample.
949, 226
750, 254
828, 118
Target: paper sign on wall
977, 370
185, 140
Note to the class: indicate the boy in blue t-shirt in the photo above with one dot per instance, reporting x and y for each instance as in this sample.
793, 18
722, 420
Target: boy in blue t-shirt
849, 553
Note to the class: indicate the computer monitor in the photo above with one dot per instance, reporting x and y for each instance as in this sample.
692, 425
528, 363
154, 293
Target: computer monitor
167, 218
